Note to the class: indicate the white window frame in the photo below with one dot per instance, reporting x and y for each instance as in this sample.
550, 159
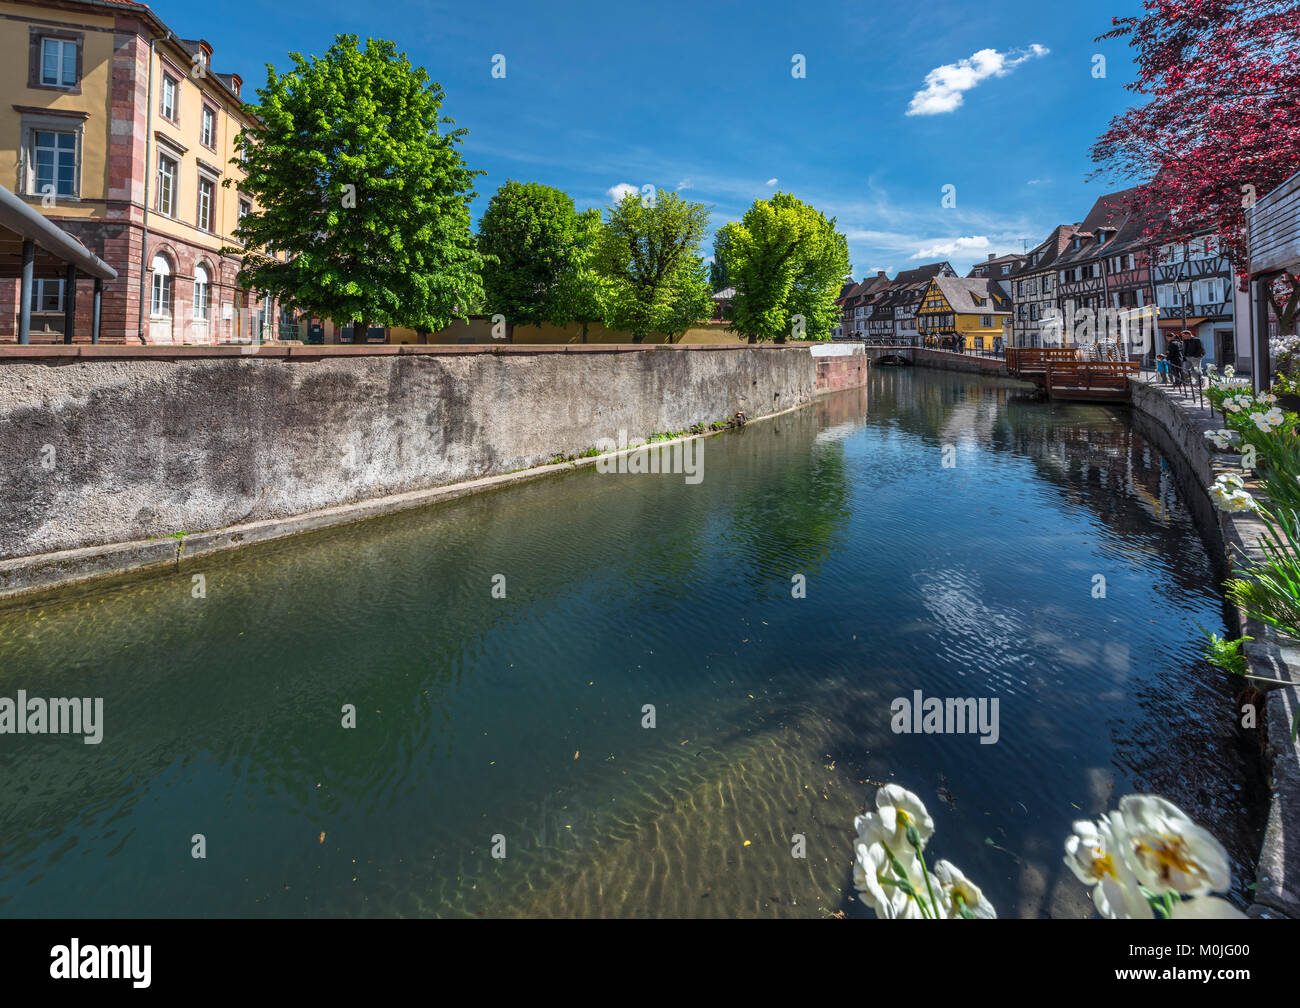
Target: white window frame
38, 296
173, 178
202, 293
208, 127
206, 219
33, 158
161, 289
61, 47
168, 92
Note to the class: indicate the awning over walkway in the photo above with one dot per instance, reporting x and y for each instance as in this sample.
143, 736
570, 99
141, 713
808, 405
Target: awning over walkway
32, 247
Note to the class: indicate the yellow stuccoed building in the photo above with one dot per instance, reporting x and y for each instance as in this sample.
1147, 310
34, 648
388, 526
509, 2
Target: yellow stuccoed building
122, 134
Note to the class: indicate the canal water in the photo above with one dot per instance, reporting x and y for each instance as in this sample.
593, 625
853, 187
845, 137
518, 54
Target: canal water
517, 725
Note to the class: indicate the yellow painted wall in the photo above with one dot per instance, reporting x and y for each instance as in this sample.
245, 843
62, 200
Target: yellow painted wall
96, 69
192, 91
479, 330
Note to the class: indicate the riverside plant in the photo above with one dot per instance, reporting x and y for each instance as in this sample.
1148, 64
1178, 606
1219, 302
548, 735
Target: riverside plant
1270, 591
1146, 860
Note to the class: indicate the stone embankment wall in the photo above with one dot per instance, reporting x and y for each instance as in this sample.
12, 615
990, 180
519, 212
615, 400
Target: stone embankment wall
111, 456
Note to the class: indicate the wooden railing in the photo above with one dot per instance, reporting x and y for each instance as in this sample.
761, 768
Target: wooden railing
1089, 377
1035, 359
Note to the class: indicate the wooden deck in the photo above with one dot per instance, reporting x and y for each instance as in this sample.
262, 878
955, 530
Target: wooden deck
1063, 375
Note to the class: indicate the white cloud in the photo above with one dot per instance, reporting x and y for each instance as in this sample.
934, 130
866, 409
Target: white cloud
1036, 181
954, 247
770, 183
945, 85
685, 184
617, 192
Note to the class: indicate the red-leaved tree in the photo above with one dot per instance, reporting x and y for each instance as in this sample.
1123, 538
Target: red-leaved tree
1221, 124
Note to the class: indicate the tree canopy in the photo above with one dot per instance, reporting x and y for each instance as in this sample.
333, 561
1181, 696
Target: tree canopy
1220, 120
362, 198
533, 242
787, 263
584, 293
649, 252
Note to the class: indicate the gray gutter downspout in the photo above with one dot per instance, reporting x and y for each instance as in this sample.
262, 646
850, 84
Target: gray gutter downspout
148, 171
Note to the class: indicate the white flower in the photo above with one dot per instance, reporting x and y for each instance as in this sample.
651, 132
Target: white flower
1095, 852
1231, 501
1229, 494
956, 889
1269, 421
1168, 851
1219, 438
1268, 398
877, 883
1206, 908
1235, 404
896, 809
1229, 371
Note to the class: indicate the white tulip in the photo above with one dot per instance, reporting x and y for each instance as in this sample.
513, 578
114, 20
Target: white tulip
1095, 852
956, 888
877, 884
1168, 851
897, 809
1206, 908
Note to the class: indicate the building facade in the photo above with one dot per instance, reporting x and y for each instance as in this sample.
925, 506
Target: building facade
909, 287
1033, 288
970, 311
122, 135
1195, 288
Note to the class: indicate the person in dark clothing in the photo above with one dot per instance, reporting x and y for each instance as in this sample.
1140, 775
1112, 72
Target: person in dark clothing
1174, 352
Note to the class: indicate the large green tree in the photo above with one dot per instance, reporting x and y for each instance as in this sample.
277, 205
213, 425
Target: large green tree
649, 251
787, 263
533, 241
584, 293
362, 198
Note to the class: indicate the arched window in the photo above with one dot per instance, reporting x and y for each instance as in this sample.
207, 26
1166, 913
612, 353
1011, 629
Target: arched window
200, 293
160, 302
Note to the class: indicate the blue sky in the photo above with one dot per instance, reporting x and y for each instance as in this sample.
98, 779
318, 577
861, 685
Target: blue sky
700, 97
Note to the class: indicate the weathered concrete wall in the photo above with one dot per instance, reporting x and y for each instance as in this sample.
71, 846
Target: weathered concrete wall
991, 366
128, 447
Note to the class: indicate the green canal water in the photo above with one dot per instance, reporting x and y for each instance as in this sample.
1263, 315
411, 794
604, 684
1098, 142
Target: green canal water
522, 717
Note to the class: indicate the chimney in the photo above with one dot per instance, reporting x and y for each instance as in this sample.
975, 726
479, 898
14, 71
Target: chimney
992, 255
880, 273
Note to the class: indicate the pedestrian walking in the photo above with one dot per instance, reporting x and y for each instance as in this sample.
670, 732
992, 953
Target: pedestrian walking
1177, 360
1162, 369
1194, 350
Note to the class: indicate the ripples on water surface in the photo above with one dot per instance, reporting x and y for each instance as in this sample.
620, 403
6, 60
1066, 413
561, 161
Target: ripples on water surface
522, 716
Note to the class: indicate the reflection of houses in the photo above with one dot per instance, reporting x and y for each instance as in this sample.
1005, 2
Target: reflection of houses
971, 310
1033, 287
122, 135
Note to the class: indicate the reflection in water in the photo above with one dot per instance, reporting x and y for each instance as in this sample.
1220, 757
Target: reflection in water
523, 717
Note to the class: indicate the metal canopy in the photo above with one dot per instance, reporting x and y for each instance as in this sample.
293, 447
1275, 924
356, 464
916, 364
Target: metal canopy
55, 248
